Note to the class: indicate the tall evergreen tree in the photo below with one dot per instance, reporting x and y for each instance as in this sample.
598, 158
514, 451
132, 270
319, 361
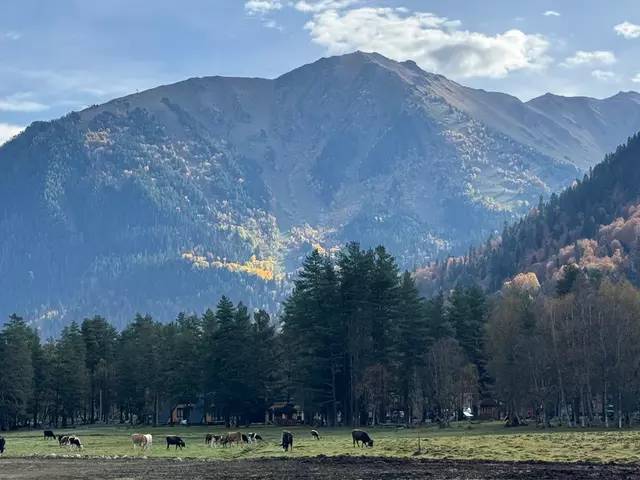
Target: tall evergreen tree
411, 339
71, 373
100, 345
16, 372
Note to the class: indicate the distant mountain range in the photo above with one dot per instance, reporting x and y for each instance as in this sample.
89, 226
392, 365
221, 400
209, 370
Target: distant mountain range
163, 200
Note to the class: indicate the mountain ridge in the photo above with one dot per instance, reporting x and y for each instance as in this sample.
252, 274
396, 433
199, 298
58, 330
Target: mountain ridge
226, 183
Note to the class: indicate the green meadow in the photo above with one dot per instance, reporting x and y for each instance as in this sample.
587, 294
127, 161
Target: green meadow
487, 441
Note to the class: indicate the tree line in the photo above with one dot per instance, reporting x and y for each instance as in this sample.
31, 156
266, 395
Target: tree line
356, 344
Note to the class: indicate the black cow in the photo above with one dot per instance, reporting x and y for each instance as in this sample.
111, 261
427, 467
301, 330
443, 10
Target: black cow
2, 442
361, 436
287, 441
314, 434
175, 440
49, 434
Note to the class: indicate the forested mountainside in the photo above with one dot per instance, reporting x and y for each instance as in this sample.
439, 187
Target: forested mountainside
594, 224
159, 201
357, 344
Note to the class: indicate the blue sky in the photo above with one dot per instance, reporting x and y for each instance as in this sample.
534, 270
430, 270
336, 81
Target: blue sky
63, 55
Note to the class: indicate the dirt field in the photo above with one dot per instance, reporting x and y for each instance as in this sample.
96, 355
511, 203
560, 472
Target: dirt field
347, 468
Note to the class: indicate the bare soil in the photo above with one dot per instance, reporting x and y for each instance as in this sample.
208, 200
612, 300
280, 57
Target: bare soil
334, 468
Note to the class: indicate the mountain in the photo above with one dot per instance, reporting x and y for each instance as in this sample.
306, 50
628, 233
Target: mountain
166, 199
594, 225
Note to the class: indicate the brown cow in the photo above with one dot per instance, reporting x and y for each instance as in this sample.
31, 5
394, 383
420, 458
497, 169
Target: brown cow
139, 440
232, 437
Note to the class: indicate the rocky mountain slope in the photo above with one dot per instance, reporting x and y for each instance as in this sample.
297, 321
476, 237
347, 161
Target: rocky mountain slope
163, 200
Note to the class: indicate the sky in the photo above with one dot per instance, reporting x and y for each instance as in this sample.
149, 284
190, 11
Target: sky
64, 55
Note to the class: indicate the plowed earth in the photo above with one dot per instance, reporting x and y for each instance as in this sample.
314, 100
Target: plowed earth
318, 468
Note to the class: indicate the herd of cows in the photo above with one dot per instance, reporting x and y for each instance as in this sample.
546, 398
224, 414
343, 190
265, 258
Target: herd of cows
145, 441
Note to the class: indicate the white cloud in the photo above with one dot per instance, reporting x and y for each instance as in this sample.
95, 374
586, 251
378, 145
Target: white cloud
604, 75
8, 131
322, 5
262, 6
433, 42
20, 102
551, 13
628, 30
10, 35
597, 57
272, 24
636, 79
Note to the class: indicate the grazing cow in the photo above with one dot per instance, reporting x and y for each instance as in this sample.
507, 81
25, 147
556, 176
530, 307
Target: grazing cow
49, 434
139, 440
75, 443
2, 442
175, 440
314, 434
245, 439
63, 440
287, 441
232, 437
361, 436
210, 439
254, 437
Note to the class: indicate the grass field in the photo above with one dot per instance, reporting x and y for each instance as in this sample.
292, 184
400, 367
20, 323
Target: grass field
462, 441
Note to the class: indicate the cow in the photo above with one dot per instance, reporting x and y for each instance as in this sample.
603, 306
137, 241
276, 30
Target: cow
2, 442
254, 437
139, 440
232, 437
210, 439
63, 440
361, 436
287, 441
48, 434
149, 440
175, 440
314, 434
245, 439
75, 443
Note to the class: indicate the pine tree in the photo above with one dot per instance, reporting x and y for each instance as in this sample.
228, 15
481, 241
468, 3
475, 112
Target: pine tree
71, 373
16, 375
437, 318
411, 338
100, 344
224, 373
